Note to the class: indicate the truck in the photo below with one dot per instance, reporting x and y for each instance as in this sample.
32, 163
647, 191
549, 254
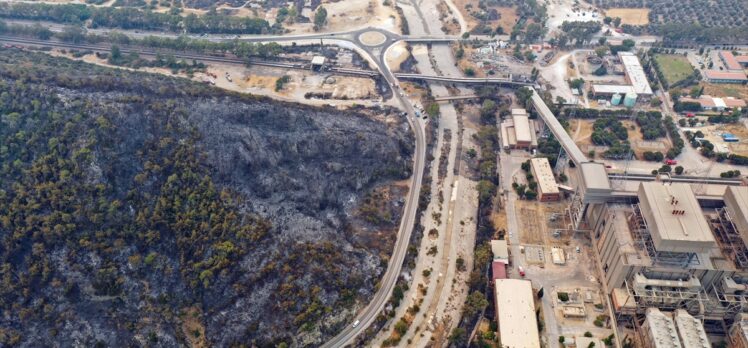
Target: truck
521, 271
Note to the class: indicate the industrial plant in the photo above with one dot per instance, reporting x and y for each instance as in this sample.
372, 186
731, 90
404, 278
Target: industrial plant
668, 250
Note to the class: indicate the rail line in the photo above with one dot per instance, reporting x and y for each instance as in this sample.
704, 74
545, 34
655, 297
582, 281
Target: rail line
185, 55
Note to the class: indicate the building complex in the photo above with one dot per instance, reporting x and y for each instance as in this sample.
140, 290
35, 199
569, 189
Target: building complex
636, 87
664, 250
518, 132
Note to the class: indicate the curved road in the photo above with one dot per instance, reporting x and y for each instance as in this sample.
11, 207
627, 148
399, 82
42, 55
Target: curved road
387, 284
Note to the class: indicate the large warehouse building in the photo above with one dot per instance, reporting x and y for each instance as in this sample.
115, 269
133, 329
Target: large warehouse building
515, 310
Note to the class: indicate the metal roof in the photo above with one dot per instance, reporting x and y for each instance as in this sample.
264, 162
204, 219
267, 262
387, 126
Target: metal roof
499, 249
674, 218
522, 128
736, 203
612, 89
557, 129
661, 329
515, 303
690, 330
541, 168
635, 73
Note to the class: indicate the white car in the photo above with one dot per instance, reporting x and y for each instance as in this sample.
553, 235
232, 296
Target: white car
355, 323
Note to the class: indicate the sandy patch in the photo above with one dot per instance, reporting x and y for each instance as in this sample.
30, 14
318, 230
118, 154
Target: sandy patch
396, 55
352, 15
631, 16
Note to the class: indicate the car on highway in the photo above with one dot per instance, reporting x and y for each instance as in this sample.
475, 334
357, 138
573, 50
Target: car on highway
355, 323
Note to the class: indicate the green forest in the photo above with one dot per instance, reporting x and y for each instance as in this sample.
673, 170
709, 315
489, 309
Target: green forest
133, 18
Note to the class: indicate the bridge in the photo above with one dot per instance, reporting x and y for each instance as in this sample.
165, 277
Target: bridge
456, 97
476, 80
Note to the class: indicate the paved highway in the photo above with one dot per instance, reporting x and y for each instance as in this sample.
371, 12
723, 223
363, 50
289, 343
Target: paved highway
387, 284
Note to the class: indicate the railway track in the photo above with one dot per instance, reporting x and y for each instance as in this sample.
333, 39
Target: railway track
183, 55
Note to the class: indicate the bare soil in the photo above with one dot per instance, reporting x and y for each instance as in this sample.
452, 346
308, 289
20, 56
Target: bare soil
631, 16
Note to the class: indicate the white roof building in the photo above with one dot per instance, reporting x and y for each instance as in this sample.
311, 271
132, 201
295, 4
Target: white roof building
674, 218
612, 89
736, 204
499, 249
318, 60
522, 127
515, 308
659, 330
635, 73
690, 330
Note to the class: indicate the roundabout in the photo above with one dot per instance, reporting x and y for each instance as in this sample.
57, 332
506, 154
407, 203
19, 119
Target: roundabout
372, 38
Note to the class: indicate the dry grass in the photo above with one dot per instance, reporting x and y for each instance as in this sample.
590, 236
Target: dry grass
631, 16
726, 90
506, 21
499, 221
508, 18
531, 222
584, 134
445, 14
193, 329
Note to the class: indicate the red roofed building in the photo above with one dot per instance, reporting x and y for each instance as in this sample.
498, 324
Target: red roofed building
716, 76
743, 60
718, 104
728, 59
498, 270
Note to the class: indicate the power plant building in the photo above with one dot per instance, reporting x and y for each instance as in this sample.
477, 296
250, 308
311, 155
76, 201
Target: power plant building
658, 330
738, 334
690, 330
666, 251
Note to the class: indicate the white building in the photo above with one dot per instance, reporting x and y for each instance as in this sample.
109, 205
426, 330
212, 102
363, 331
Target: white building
658, 330
515, 311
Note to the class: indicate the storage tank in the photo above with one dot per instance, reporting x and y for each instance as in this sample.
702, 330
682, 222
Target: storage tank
616, 99
629, 100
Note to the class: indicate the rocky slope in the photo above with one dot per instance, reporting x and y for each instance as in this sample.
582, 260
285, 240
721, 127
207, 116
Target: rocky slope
140, 210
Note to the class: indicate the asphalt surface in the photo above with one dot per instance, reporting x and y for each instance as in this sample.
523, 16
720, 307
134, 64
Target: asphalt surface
369, 314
